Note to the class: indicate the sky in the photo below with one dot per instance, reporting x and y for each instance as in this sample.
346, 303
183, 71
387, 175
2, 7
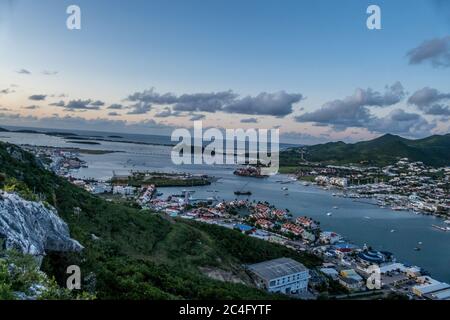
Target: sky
310, 68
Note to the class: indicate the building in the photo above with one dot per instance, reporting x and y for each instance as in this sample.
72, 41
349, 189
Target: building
429, 287
330, 272
282, 275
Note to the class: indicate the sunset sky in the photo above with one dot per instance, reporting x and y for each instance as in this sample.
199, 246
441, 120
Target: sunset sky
311, 68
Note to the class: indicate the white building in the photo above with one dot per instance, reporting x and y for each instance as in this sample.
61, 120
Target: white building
429, 286
125, 191
282, 275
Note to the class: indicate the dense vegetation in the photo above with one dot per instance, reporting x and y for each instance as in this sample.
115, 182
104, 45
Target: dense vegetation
137, 254
20, 278
385, 150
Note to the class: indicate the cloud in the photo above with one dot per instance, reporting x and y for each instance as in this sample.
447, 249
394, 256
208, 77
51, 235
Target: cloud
97, 103
167, 112
6, 91
150, 96
431, 101
204, 102
58, 104
401, 122
98, 124
140, 108
82, 105
32, 107
196, 117
37, 97
116, 106
436, 51
353, 111
23, 71
277, 104
49, 73
249, 120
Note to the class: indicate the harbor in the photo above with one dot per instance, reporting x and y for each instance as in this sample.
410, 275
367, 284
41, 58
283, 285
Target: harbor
358, 221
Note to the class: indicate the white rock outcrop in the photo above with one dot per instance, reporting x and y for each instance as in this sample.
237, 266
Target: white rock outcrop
33, 228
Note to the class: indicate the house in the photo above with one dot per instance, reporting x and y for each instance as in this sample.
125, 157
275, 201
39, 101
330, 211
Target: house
330, 237
350, 283
330, 272
283, 275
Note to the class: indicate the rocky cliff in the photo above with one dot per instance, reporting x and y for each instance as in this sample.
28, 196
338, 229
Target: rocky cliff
32, 227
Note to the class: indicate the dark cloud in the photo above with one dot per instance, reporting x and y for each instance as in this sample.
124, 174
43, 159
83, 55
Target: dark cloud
23, 71
401, 122
116, 106
196, 117
249, 120
436, 51
275, 104
204, 102
353, 111
82, 105
140, 108
97, 103
113, 114
58, 104
37, 97
431, 101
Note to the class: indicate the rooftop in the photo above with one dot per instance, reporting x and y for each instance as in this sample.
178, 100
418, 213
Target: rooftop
276, 268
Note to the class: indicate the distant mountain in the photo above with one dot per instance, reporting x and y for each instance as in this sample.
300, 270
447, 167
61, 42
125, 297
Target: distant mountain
433, 151
3, 130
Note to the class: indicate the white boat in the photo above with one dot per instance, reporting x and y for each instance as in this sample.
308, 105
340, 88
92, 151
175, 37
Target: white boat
393, 230
335, 207
329, 214
284, 188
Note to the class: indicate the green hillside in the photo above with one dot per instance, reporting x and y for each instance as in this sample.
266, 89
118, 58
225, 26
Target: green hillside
136, 254
433, 151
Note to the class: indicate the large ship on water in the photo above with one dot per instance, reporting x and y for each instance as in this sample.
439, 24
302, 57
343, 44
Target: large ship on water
249, 171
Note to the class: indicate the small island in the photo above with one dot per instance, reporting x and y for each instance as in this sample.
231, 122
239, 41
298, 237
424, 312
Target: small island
159, 179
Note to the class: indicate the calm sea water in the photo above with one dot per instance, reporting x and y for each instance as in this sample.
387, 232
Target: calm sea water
361, 223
